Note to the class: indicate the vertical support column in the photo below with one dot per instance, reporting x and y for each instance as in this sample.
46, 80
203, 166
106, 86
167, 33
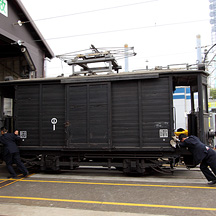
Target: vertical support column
199, 56
139, 92
126, 57
201, 114
73, 66
110, 66
40, 113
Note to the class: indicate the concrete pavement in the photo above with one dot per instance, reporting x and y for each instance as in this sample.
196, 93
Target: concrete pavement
32, 187
22, 210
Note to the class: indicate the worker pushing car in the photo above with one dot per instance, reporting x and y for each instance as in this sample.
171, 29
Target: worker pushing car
11, 152
202, 154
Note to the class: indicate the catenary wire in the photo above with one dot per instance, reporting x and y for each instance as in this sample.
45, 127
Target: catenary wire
91, 11
128, 29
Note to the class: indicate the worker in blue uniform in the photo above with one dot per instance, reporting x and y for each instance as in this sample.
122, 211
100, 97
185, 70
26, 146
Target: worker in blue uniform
202, 154
11, 152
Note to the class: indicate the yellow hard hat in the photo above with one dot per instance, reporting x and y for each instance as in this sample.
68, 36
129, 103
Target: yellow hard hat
181, 132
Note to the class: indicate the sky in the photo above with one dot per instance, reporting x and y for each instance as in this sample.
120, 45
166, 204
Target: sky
162, 32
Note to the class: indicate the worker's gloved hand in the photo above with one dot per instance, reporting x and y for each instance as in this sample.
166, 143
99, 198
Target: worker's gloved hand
173, 141
175, 138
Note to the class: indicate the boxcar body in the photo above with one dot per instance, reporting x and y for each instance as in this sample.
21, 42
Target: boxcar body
125, 120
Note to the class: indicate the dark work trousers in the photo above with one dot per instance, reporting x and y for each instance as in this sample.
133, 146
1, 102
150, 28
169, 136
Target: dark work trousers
209, 160
14, 158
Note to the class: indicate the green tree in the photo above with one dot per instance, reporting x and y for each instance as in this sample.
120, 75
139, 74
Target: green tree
213, 93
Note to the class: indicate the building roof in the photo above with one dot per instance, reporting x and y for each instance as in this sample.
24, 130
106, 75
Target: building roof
183, 77
36, 34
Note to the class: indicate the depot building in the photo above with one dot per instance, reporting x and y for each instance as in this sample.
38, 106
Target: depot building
23, 50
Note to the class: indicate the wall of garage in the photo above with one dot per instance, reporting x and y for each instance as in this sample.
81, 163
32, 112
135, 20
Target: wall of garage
22, 47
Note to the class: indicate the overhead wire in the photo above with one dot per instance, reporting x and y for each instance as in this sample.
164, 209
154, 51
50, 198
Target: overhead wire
208, 52
92, 11
127, 29
212, 59
111, 31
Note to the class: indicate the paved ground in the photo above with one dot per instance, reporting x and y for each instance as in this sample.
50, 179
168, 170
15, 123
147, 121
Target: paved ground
23, 210
95, 192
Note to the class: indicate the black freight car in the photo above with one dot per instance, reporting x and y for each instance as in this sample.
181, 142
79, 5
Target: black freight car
124, 120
